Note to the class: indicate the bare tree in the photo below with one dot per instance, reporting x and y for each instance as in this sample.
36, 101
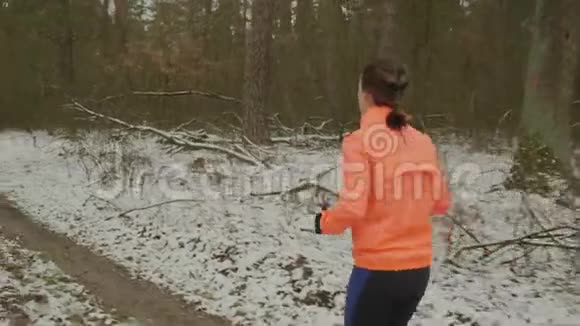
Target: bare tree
105, 27
257, 71
121, 22
384, 13
67, 44
550, 77
549, 90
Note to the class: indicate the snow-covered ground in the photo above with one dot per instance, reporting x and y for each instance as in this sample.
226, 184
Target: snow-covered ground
34, 291
245, 257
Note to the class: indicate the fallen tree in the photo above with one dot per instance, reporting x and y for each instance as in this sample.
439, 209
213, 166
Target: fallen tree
239, 147
186, 140
528, 240
541, 232
172, 94
311, 183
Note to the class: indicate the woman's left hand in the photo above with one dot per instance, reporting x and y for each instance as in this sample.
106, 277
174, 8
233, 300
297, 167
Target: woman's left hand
317, 218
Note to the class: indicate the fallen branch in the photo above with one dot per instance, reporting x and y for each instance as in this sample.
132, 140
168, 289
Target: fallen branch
247, 152
532, 214
524, 255
503, 117
124, 214
171, 137
547, 244
318, 128
198, 135
463, 228
299, 188
170, 94
297, 138
278, 124
308, 184
299, 133
183, 125
235, 115
324, 173
100, 199
258, 148
486, 251
519, 240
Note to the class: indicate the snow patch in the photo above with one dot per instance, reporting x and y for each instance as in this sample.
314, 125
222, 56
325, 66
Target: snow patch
245, 258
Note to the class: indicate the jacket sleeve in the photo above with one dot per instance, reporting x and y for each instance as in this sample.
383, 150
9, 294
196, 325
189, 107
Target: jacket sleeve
353, 199
443, 201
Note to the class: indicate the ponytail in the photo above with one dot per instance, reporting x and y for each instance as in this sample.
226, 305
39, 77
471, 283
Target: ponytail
397, 120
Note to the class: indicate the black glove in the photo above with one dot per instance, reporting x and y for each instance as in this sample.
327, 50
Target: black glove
317, 229
317, 218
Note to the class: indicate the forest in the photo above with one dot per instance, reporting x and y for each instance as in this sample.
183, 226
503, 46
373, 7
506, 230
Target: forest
161, 161
468, 59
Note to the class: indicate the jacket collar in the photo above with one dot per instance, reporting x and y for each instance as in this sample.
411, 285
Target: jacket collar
375, 115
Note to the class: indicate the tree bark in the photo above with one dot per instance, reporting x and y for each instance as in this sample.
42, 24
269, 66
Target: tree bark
121, 20
257, 71
284, 10
207, 25
67, 45
550, 77
384, 13
284, 67
575, 185
331, 23
549, 90
105, 29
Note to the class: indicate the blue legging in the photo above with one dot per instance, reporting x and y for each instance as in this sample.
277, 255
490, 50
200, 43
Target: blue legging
384, 298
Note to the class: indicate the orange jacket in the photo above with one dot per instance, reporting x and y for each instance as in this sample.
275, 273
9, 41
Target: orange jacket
392, 184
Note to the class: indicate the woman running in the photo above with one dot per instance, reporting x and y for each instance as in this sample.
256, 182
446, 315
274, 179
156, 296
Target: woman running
392, 184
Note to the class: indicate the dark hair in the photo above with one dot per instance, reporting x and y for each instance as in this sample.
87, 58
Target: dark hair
386, 80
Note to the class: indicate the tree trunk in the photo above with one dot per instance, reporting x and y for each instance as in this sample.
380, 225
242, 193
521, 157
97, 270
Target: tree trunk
285, 17
105, 29
575, 185
244, 20
67, 45
207, 26
284, 67
257, 71
331, 23
549, 90
121, 20
421, 52
550, 75
573, 36
384, 13
305, 85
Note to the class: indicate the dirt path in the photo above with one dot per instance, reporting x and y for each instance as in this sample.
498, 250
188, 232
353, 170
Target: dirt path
103, 278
